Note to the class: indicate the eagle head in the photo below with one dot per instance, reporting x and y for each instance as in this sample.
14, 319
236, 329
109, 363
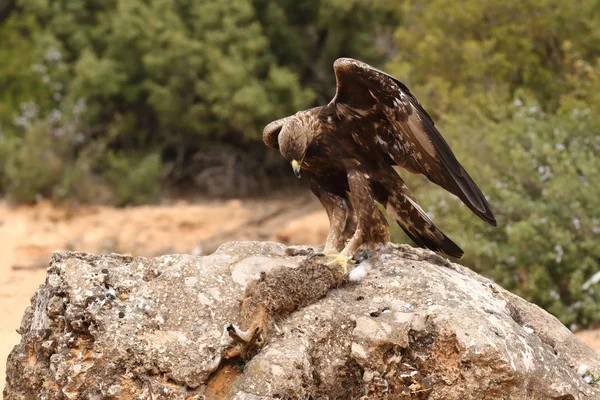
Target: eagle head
294, 139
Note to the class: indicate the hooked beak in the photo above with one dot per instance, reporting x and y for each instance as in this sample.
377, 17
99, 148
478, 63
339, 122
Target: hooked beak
296, 168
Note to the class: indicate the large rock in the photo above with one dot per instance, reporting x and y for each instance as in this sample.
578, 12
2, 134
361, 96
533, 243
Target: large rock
117, 327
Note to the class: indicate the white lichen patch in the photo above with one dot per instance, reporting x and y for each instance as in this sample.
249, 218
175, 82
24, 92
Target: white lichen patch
528, 329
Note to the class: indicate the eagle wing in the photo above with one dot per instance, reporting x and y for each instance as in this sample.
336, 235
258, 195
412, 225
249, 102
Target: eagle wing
271, 132
406, 132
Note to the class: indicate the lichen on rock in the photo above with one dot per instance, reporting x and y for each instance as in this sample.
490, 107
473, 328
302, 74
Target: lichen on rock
417, 326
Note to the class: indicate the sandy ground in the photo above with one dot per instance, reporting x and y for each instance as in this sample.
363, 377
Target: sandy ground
29, 234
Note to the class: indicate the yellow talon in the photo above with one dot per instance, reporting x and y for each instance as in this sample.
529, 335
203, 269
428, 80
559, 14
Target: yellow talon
341, 260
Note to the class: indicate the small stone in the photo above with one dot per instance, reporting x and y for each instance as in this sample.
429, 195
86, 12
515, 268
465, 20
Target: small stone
358, 351
191, 281
114, 390
276, 370
368, 376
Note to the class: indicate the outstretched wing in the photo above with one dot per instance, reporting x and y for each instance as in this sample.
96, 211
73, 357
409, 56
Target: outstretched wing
408, 134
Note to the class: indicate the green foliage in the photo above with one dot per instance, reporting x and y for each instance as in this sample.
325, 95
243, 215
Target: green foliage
135, 178
54, 163
31, 166
168, 77
308, 36
514, 86
22, 78
538, 171
490, 49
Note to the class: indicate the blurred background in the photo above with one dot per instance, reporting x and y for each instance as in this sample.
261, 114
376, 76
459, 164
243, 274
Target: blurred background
135, 126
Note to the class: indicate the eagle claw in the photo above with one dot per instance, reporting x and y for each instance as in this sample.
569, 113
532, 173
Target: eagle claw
341, 260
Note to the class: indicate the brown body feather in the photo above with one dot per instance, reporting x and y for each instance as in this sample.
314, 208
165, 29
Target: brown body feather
352, 144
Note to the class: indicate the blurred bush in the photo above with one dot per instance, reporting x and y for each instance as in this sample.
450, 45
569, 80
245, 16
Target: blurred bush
166, 84
513, 86
135, 177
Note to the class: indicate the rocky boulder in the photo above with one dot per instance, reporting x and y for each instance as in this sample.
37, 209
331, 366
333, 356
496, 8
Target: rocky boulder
417, 326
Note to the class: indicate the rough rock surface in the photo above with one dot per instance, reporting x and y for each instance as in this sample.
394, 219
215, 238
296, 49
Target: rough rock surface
117, 327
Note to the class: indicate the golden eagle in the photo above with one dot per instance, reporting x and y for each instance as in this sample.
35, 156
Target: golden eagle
348, 148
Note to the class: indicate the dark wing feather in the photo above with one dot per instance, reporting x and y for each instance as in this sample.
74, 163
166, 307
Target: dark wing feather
391, 191
271, 132
412, 140
403, 207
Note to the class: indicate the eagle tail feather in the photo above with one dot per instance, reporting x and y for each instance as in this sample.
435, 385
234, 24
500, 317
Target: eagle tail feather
417, 224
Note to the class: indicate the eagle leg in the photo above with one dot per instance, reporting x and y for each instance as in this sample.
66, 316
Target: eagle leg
372, 228
337, 211
351, 224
